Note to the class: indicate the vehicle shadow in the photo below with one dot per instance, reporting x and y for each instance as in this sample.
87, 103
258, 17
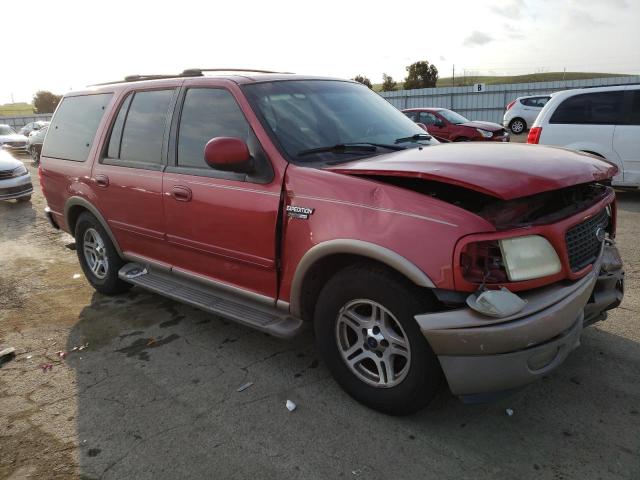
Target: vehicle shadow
157, 393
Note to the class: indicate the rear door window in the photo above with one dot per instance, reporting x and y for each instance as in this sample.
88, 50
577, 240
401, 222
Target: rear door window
138, 132
598, 108
74, 126
427, 118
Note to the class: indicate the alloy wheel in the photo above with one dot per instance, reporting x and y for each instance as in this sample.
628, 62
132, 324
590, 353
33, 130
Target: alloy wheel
373, 343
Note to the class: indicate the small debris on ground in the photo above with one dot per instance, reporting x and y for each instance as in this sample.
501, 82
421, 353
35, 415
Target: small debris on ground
76, 276
61, 354
291, 406
509, 412
46, 366
151, 341
242, 388
79, 348
7, 354
29, 357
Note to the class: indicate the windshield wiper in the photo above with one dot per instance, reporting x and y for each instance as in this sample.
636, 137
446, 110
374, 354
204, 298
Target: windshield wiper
413, 138
351, 148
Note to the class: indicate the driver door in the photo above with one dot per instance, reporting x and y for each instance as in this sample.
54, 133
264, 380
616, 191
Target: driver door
220, 225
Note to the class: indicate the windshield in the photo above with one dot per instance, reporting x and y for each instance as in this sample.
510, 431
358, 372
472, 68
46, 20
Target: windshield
307, 117
453, 117
6, 130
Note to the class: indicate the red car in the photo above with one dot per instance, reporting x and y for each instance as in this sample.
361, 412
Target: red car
280, 201
450, 126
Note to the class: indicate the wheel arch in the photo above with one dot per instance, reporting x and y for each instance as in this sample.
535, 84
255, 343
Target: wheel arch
327, 258
76, 206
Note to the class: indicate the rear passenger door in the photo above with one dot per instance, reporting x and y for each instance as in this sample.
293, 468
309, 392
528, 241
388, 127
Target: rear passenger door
626, 138
128, 177
220, 225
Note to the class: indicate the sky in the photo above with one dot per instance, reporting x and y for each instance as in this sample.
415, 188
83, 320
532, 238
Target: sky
67, 44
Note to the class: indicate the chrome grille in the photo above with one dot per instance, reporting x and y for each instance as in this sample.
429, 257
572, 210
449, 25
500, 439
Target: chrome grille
583, 246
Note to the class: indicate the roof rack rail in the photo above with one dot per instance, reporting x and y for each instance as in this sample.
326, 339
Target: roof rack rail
189, 72
196, 72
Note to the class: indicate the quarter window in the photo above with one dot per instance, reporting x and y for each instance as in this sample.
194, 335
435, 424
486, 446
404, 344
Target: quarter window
74, 126
634, 118
600, 108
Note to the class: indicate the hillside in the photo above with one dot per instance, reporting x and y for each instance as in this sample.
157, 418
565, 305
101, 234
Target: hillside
16, 109
497, 80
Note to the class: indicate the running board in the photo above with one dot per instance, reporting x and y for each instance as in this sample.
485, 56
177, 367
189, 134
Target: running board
214, 300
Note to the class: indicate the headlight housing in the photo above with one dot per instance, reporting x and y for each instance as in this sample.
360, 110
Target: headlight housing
509, 260
529, 257
19, 171
484, 133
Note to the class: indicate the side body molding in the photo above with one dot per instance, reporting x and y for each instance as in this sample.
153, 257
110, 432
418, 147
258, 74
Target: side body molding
353, 247
84, 203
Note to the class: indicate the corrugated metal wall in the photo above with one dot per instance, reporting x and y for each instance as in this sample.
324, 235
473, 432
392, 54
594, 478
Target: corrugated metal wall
489, 105
21, 120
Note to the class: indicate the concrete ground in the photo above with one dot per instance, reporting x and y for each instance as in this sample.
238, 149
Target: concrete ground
154, 394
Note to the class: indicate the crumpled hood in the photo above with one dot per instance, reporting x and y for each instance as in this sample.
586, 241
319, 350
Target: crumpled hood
505, 171
490, 126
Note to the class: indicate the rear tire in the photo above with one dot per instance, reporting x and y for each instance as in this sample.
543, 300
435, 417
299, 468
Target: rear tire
369, 340
98, 257
517, 126
462, 139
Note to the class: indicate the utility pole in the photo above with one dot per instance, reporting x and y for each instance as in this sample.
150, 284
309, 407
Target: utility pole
453, 77
12, 100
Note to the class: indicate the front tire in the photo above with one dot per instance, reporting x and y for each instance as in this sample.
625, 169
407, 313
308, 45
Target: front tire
369, 340
517, 126
98, 257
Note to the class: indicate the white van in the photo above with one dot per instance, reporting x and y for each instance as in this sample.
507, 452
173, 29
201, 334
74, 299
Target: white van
604, 121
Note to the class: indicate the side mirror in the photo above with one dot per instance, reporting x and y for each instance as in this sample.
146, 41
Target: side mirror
422, 126
229, 154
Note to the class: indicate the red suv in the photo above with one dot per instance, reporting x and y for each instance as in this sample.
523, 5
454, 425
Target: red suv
279, 200
450, 126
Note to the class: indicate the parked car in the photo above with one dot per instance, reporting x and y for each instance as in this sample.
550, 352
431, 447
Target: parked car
33, 126
450, 126
282, 200
12, 141
15, 179
601, 121
34, 143
522, 112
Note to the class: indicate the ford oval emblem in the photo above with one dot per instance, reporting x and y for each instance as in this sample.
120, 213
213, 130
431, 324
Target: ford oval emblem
600, 234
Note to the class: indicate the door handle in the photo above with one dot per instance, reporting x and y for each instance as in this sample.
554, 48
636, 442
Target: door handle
101, 181
180, 193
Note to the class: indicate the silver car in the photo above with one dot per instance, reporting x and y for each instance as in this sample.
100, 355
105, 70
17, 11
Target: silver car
15, 179
12, 141
32, 127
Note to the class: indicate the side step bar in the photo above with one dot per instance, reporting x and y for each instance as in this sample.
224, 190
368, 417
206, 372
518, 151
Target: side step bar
206, 297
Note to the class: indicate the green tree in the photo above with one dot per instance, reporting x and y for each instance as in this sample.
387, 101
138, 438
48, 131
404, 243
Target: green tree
45, 101
388, 85
363, 80
421, 75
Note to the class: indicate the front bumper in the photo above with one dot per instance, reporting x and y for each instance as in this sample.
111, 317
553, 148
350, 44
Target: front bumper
15, 148
480, 355
16, 187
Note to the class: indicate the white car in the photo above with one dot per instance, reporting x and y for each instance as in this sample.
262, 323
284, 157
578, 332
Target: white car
15, 179
522, 112
603, 121
12, 141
